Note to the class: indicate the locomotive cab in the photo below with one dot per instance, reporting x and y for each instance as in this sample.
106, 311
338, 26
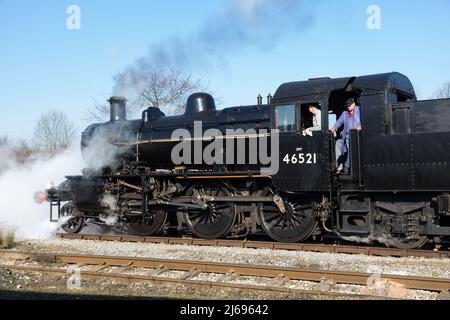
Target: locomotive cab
307, 161
303, 159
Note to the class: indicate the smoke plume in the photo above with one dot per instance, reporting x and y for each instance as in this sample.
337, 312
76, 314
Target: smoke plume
241, 25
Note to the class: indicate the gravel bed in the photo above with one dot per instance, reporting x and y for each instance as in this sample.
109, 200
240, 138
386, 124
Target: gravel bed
141, 272
408, 266
10, 280
5, 262
212, 277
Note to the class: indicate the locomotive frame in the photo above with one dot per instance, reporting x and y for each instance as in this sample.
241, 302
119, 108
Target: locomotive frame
397, 191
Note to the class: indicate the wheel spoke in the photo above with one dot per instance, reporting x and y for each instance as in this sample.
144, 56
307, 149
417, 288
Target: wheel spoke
299, 221
273, 217
285, 223
277, 222
291, 223
221, 207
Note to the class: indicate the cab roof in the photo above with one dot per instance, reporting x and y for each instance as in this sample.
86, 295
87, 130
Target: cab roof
324, 86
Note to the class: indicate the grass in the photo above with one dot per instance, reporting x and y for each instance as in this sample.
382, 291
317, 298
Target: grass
7, 238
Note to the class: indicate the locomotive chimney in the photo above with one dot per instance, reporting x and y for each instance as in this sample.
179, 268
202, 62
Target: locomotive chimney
269, 98
259, 99
118, 109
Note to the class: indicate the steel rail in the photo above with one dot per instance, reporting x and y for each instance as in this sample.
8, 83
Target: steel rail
344, 249
193, 283
415, 283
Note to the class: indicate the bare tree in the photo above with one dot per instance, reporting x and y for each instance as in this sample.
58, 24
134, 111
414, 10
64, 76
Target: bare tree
4, 153
442, 93
417, 89
13, 153
53, 132
22, 152
98, 113
157, 88
3, 140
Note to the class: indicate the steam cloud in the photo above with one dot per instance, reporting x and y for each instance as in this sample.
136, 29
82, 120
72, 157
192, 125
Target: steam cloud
18, 185
382, 239
100, 152
242, 24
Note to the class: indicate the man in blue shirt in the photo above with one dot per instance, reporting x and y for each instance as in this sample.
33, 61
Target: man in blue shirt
350, 119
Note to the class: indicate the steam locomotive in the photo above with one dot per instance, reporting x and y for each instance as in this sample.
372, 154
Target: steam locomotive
397, 191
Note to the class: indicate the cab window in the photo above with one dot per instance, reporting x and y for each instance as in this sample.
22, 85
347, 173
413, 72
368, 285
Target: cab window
285, 118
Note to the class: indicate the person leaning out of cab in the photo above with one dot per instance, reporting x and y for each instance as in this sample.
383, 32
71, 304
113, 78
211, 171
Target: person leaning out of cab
317, 120
351, 120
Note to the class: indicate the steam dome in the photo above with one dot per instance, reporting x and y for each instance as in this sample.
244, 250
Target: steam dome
200, 102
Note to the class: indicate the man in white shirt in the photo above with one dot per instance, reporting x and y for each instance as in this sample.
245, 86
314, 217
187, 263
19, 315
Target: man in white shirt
317, 120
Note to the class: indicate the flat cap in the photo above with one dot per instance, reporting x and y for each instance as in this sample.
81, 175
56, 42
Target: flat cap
349, 102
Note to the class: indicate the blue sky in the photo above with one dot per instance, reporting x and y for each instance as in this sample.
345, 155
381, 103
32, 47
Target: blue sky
44, 66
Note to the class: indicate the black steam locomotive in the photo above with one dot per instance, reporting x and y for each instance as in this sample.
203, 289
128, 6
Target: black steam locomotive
397, 191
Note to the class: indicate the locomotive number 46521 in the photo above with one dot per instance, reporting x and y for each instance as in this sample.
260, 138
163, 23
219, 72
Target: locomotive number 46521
300, 158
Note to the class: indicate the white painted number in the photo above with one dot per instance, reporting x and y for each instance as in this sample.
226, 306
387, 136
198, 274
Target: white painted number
294, 159
300, 158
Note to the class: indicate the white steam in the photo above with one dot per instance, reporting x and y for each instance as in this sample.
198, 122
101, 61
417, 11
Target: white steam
110, 202
110, 220
18, 185
100, 152
382, 239
107, 144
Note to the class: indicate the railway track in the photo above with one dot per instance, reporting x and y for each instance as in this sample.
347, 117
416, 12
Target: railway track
160, 280
280, 275
371, 251
103, 273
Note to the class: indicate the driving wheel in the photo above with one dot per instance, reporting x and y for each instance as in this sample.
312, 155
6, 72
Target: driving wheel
217, 218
